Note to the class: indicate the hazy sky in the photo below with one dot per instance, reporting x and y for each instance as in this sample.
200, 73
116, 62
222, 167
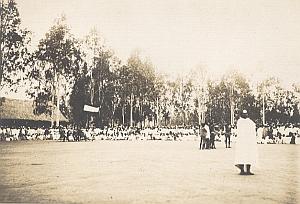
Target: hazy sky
258, 37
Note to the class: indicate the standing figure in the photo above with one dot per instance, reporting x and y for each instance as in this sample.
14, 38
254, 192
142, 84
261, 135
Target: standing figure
62, 134
227, 132
69, 134
76, 134
213, 133
293, 138
2, 134
47, 133
202, 134
207, 139
246, 146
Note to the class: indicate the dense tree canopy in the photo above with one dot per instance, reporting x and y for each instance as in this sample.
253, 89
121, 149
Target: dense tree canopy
14, 40
67, 73
58, 62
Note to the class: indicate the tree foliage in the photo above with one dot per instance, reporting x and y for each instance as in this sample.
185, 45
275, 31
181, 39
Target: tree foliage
281, 105
232, 91
14, 41
86, 72
58, 61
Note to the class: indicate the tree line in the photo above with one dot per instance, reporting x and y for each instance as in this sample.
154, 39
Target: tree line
64, 73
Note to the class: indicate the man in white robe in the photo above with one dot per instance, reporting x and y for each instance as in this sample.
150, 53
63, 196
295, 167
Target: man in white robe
246, 145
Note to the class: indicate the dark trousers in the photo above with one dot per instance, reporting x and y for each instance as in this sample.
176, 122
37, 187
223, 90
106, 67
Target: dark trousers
207, 143
227, 140
202, 143
212, 142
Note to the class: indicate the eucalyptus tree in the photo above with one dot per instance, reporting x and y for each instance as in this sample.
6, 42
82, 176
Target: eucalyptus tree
124, 89
137, 91
134, 86
199, 77
102, 67
14, 42
134, 64
105, 86
160, 98
233, 90
182, 101
280, 104
80, 95
295, 114
219, 102
148, 94
58, 62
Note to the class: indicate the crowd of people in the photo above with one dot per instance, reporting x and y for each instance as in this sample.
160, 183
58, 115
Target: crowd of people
207, 134
85, 134
277, 134
117, 133
245, 134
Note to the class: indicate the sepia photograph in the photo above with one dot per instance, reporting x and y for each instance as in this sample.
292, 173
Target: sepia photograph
150, 101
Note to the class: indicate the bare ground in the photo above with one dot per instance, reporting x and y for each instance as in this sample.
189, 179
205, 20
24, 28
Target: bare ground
113, 172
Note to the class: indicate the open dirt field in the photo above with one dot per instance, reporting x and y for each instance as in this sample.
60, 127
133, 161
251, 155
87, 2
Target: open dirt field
143, 172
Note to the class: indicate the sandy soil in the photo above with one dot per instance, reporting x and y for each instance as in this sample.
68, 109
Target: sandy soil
143, 172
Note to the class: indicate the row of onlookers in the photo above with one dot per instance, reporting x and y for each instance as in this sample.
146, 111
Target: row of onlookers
278, 134
75, 134
267, 134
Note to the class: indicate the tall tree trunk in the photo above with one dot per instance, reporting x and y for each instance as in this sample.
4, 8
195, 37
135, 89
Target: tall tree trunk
131, 110
157, 112
123, 114
57, 98
231, 107
184, 118
100, 118
1, 42
53, 108
263, 111
90, 117
142, 120
113, 114
199, 112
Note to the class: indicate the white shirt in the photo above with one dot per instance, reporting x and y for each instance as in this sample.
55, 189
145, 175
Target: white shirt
208, 131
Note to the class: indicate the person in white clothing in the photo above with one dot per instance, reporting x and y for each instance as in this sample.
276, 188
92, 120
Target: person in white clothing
207, 139
246, 146
202, 134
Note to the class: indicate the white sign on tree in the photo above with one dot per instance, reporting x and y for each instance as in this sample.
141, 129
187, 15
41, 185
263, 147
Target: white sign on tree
92, 109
